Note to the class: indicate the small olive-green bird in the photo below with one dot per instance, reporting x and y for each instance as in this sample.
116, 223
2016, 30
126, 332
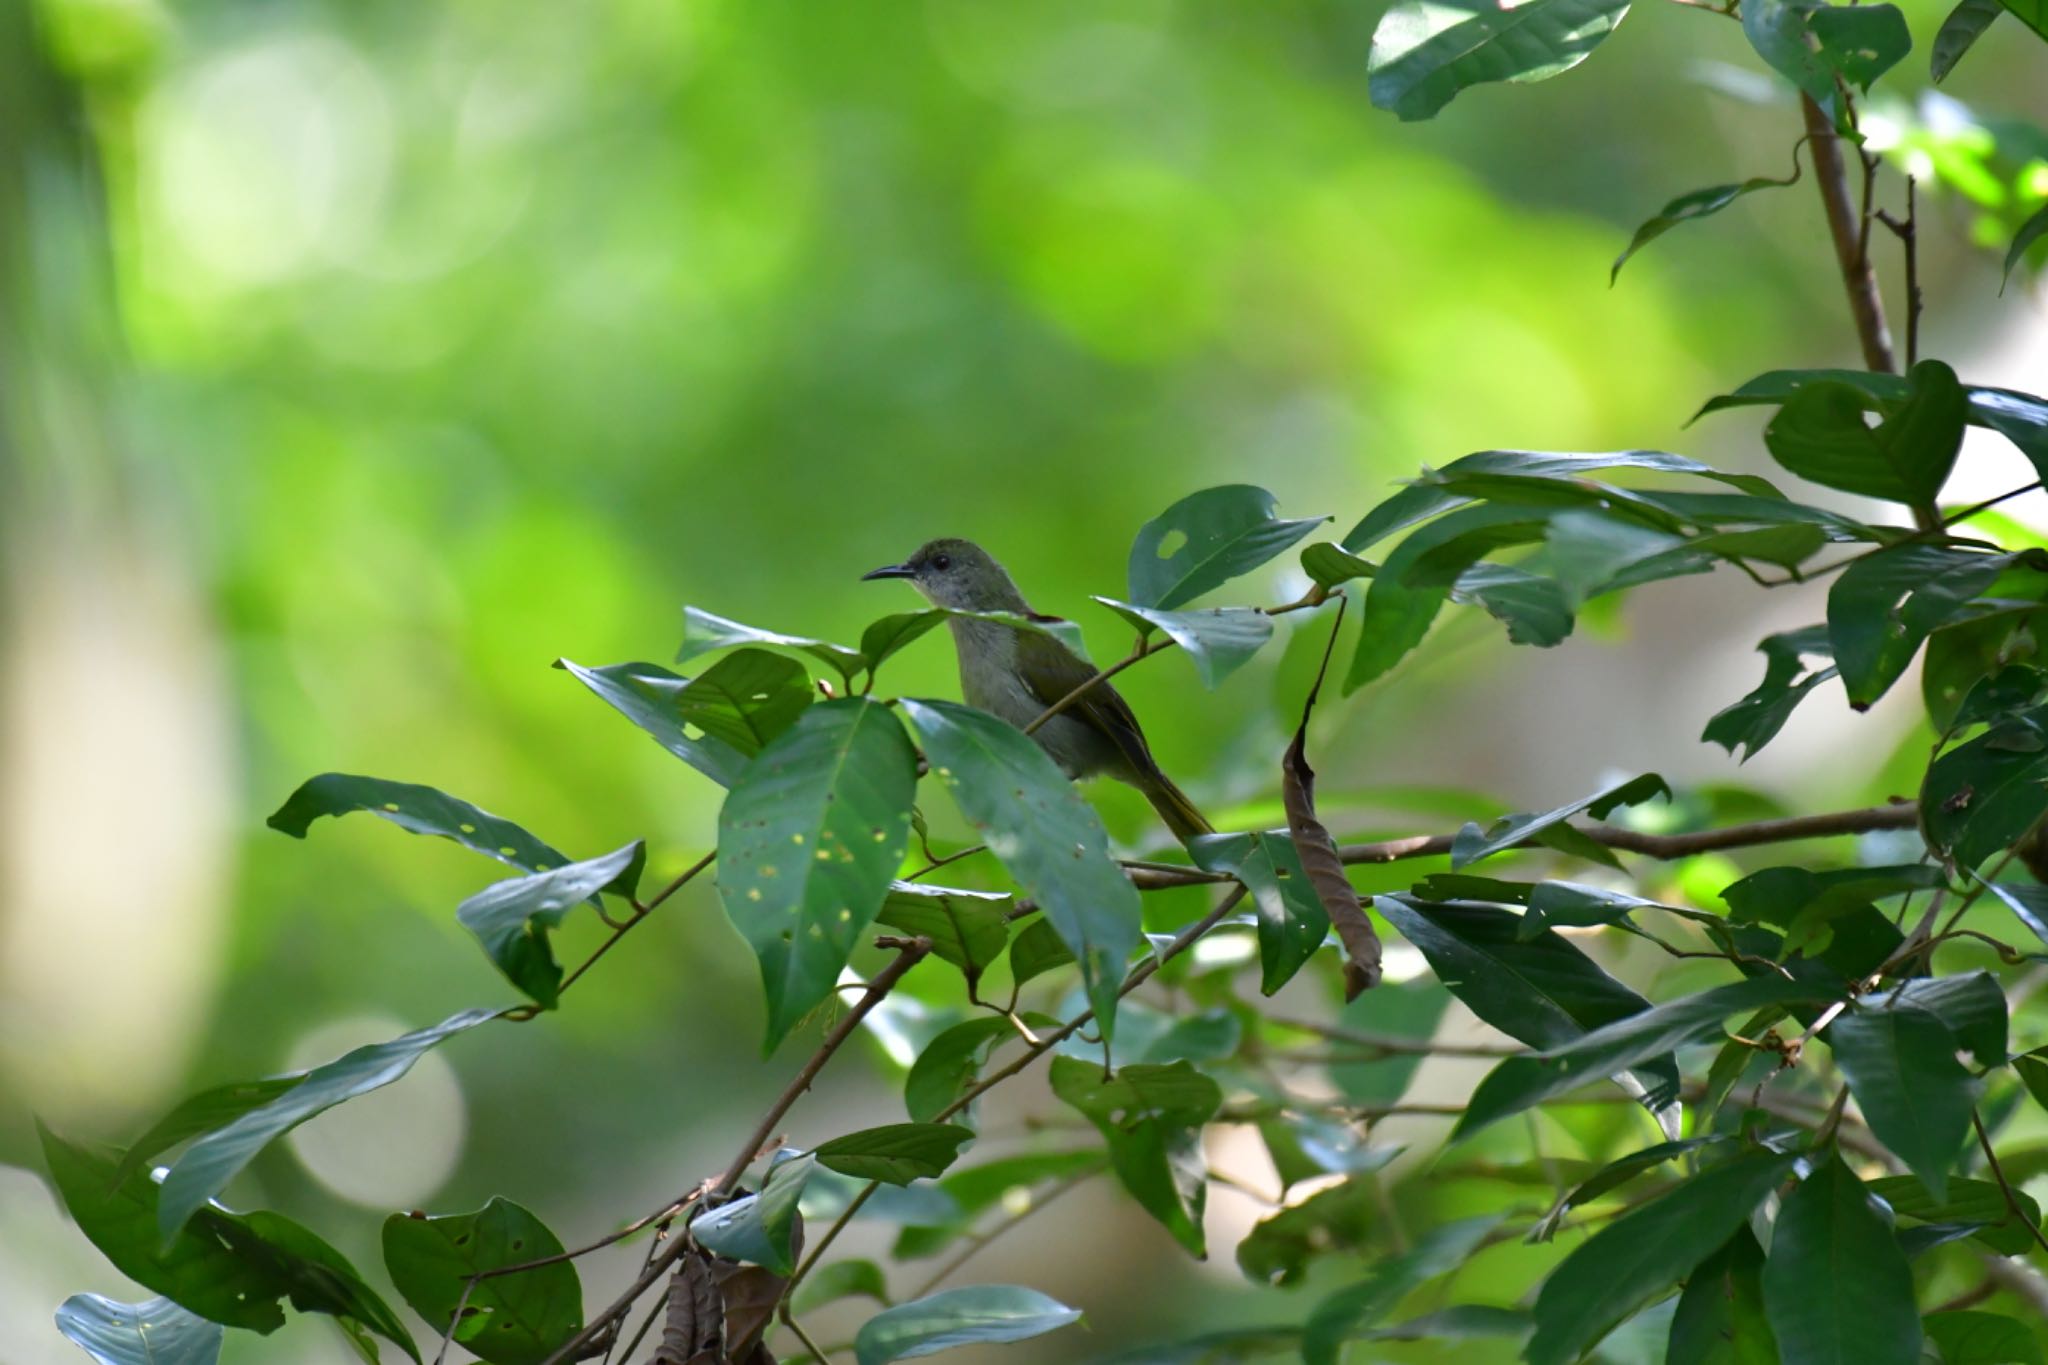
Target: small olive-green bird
1016, 674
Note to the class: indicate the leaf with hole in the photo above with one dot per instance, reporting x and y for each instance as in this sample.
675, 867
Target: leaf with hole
1044, 833
1820, 434
517, 1319
1755, 721
746, 699
1981, 797
809, 842
1860, 42
422, 810
154, 1333
208, 1164
511, 919
1886, 603
1205, 540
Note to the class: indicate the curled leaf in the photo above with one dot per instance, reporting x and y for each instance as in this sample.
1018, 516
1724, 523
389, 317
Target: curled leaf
1319, 851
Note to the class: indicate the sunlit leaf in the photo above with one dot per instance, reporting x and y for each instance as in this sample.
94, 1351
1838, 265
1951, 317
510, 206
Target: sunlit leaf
1205, 540
154, 1333
969, 929
2030, 232
1423, 55
422, 810
1218, 639
760, 1229
704, 632
646, 695
746, 699
1861, 42
975, 1315
518, 1319
512, 918
1688, 207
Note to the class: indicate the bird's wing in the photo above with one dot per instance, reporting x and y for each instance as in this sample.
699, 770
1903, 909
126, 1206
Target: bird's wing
1051, 671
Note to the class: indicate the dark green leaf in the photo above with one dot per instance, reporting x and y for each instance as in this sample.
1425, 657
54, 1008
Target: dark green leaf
1046, 835
809, 842
1964, 25
154, 1333
1837, 1285
1152, 1118
1218, 639
1291, 919
1972, 1004
853, 1277
1902, 1068
2021, 418
422, 810
896, 1153
512, 918
1036, 950
1755, 720
2030, 232
208, 1164
1861, 42
1612, 1176
2032, 1069
1330, 565
1417, 578
1886, 603
2032, 13
959, 1317
884, 637
1720, 1316
759, 1229
1591, 553
969, 929
1820, 434
1977, 1206
746, 699
204, 1112
1473, 844
1423, 55
1541, 991
1340, 1219
1205, 540
949, 1065
506, 1319
1533, 608
1777, 29
2028, 903
1981, 797
226, 1267
1358, 1308
704, 632
646, 695
1969, 1338
1785, 895
1518, 1083
1642, 1253
1687, 207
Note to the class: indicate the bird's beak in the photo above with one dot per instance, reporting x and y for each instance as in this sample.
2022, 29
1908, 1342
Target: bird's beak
890, 571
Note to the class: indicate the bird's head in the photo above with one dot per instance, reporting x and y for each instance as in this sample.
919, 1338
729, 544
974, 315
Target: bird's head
957, 573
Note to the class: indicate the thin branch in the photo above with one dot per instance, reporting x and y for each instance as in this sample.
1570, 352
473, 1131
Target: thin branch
1392, 1044
977, 1240
1143, 651
2012, 1200
1845, 225
640, 911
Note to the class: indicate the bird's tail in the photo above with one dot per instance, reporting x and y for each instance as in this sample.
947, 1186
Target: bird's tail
1174, 808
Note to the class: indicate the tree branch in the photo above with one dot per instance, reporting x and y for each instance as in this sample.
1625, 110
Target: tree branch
1866, 304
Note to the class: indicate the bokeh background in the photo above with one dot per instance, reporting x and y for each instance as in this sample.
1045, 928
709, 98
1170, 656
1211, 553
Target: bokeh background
362, 358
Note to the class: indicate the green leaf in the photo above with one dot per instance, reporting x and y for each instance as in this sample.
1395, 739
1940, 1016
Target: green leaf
1356, 1309
1978, 1204
895, 1153
854, 1277
1330, 1222
1612, 1176
1685, 209
1535, 609
704, 632
518, 1319
1755, 720
1417, 578
1970, 1338
646, 695
1820, 434
2030, 232
746, 699
1887, 602
1964, 25
208, 1164
1330, 565
1218, 639
1861, 42
1473, 844
511, 918
1152, 1118
1778, 30
227, 1267
809, 842
1973, 1006
884, 637
1837, 1286
1590, 553
949, 1064
1035, 951
1642, 1253
1720, 1316
1423, 55
891, 633
154, 1333
969, 929
204, 1112
2032, 13
1784, 896
1519, 1083
1045, 834
2021, 418
978, 1314
759, 1228
1981, 797
1902, 1069
1292, 923
422, 810
1205, 540
2032, 1069
1209, 1036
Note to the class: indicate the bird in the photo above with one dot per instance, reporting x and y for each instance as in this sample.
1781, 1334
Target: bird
1015, 674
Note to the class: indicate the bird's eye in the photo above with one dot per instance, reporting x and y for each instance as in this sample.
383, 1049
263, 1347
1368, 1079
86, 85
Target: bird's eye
942, 562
